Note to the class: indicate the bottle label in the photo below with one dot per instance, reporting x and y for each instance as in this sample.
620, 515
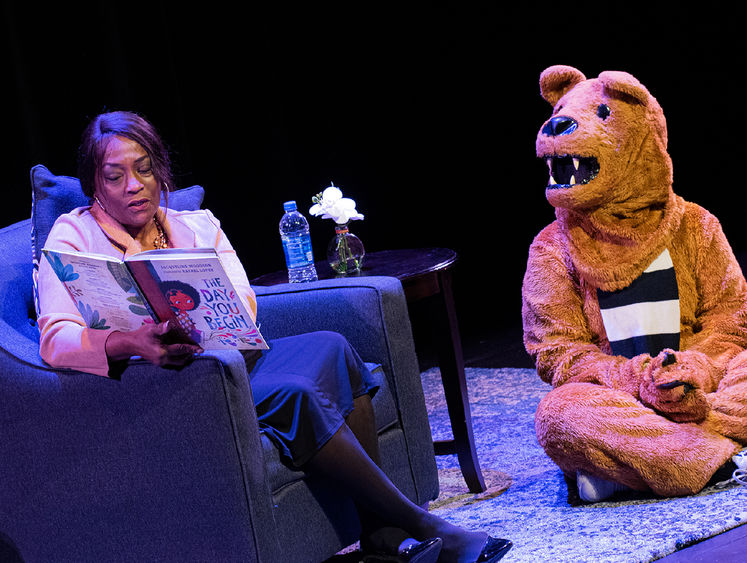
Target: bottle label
298, 251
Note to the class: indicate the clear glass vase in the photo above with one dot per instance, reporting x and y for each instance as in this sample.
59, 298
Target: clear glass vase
345, 251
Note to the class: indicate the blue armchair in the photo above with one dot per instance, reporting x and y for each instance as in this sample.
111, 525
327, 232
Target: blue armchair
170, 465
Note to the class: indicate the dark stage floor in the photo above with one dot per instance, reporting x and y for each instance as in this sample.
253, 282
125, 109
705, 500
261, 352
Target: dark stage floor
486, 348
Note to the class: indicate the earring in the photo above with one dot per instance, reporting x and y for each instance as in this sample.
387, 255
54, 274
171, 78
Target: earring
100, 204
165, 192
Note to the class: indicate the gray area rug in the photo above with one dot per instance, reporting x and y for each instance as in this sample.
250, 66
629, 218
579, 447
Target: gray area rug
526, 500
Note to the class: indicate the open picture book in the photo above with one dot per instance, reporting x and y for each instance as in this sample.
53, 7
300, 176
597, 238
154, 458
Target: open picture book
188, 287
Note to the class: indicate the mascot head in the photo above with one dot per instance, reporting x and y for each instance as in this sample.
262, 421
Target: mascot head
610, 176
605, 143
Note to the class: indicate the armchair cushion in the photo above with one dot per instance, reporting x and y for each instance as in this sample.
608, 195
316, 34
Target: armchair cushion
51, 196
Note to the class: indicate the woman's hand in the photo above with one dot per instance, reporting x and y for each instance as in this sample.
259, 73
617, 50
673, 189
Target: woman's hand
150, 342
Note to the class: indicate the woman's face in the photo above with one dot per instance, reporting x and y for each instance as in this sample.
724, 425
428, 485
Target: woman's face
126, 186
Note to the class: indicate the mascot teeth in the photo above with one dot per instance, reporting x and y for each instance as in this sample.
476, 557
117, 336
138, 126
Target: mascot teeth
567, 170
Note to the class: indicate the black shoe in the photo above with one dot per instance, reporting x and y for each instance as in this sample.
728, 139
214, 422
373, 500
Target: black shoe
494, 550
426, 551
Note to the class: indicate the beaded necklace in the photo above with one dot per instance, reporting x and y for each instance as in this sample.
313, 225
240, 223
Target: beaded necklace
160, 240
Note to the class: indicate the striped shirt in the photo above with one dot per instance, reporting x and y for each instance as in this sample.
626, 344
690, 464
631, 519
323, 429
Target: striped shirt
645, 316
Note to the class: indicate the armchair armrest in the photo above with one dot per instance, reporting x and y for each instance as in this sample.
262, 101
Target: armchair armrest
159, 464
371, 312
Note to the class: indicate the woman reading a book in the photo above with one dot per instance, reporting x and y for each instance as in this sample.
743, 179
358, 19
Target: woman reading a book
321, 421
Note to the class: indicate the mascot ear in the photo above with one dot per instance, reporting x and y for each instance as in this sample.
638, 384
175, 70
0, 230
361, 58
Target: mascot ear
625, 87
556, 80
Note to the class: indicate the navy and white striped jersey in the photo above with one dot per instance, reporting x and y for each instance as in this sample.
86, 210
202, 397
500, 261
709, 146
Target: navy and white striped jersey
645, 316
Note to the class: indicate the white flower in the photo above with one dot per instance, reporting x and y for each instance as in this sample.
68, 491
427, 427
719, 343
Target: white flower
331, 205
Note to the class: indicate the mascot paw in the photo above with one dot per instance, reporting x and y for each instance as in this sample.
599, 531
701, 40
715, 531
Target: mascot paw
670, 386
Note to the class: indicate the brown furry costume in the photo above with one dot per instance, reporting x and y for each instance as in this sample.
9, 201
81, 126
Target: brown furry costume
651, 422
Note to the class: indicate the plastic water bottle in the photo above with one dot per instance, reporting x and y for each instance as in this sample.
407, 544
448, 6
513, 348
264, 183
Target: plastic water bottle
294, 232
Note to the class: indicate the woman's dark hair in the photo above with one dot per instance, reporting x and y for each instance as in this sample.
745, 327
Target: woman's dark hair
102, 129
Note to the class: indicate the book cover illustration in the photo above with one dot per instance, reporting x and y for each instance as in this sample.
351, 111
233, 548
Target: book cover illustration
205, 303
190, 288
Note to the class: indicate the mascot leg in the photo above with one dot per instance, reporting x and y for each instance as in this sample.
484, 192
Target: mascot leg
728, 414
609, 434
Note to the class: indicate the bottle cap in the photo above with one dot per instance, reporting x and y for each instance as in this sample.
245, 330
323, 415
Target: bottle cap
289, 205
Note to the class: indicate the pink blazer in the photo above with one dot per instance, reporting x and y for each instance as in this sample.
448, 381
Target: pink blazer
65, 340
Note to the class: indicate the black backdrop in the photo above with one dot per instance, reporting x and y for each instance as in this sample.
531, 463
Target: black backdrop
426, 115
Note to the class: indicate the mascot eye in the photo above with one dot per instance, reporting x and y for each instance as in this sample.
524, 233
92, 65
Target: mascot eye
604, 111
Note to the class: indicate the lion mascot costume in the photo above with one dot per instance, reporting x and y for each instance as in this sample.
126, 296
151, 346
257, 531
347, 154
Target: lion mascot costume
634, 306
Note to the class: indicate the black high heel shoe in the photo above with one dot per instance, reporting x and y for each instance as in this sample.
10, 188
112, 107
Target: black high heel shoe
426, 551
494, 550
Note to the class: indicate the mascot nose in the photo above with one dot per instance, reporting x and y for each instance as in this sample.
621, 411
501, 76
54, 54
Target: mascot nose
560, 125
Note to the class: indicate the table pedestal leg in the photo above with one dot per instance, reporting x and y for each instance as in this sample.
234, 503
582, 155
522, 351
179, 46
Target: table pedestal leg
451, 363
